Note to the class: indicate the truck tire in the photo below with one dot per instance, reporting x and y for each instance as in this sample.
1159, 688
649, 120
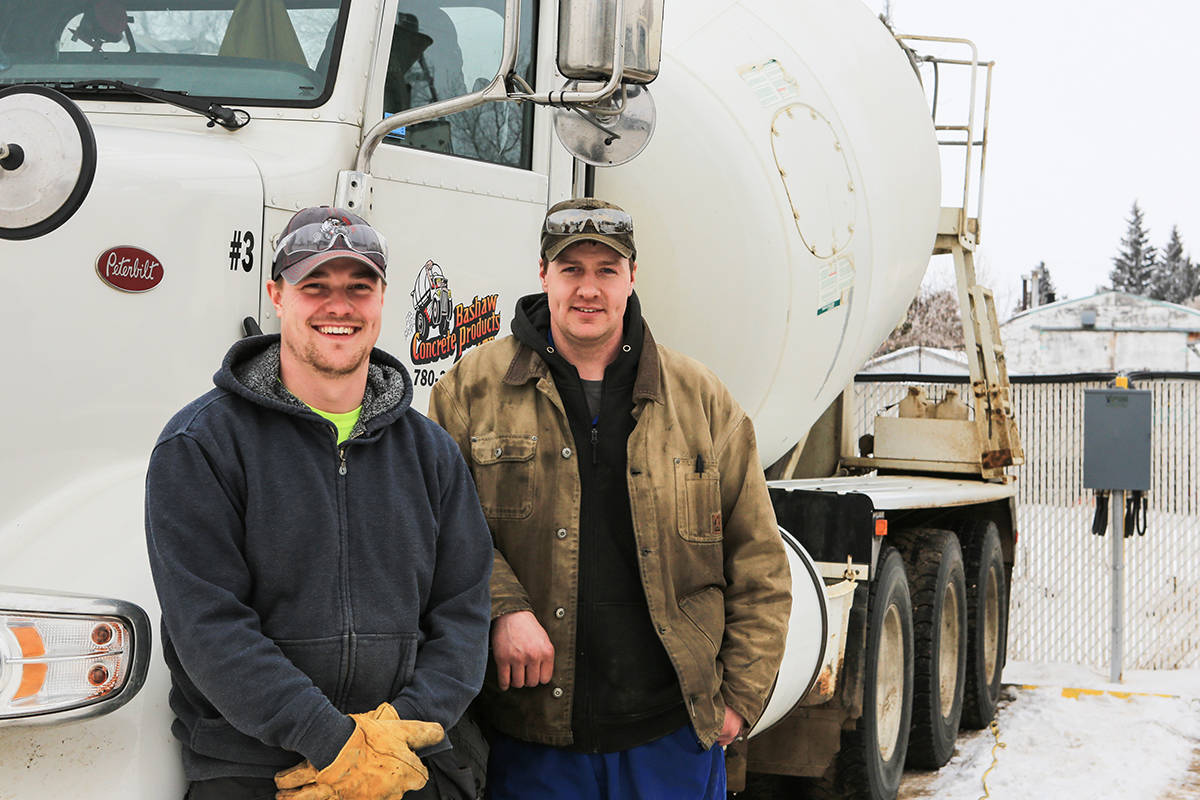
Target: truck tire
939, 596
871, 760
987, 621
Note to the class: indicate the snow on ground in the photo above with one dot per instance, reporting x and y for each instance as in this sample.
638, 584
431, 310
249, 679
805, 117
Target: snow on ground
1066, 744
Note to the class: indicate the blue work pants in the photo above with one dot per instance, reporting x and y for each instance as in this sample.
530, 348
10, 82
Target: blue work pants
674, 767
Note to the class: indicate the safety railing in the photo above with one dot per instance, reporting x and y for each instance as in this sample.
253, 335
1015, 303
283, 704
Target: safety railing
959, 132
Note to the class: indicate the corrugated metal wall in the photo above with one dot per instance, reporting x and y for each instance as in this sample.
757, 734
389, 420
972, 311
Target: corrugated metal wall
1061, 581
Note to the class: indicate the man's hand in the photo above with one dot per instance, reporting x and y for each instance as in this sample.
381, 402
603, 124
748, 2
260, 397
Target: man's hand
522, 650
733, 728
376, 763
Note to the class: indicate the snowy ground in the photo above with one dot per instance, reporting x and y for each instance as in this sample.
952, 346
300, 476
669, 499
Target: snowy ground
1067, 744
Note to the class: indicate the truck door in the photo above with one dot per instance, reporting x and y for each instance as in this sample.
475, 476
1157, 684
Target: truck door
460, 198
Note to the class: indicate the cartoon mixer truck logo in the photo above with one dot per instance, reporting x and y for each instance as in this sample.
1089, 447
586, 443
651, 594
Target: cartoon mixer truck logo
442, 329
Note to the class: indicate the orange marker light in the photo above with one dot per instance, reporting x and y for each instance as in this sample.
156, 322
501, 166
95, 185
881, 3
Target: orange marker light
881, 527
33, 676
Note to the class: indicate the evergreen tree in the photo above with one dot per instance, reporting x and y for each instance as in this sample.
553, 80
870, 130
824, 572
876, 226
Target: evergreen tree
1191, 282
1133, 266
1174, 275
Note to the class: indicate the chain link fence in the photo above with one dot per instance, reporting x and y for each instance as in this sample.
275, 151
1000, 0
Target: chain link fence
1060, 595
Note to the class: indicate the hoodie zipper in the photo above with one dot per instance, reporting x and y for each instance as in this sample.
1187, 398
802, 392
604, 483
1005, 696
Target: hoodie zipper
344, 576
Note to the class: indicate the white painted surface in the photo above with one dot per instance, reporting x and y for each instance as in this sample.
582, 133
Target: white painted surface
86, 537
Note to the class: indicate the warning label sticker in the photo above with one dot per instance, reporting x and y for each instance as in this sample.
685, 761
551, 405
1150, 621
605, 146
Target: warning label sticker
770, 83
835, 280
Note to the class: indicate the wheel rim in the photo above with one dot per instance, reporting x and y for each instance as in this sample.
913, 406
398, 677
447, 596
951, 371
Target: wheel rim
991, 624
889, 685
949, 647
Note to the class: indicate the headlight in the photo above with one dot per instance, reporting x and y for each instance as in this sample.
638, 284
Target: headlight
68, 656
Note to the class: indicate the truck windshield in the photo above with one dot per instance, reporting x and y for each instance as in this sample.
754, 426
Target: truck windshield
269, 51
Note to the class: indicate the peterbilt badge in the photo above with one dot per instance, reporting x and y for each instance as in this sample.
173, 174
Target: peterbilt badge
129, 269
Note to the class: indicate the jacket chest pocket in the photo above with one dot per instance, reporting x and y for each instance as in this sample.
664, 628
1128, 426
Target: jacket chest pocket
503, 469
697, 502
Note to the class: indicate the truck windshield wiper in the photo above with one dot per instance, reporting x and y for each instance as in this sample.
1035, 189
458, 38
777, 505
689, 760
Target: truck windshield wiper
217, 114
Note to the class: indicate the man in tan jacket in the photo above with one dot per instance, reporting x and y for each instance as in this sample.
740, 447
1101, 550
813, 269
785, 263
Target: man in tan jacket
640, 591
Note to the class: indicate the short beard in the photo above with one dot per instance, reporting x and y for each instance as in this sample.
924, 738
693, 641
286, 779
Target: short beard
311, 356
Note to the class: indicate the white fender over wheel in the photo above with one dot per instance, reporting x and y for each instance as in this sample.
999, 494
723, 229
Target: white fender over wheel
807, 636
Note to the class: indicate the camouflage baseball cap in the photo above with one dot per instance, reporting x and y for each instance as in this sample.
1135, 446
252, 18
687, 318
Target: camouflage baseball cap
587, 219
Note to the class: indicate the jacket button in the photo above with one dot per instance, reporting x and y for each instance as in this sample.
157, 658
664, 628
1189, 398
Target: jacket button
561, 533
499, 451
566, 452
662, 628
557, 691
560, 612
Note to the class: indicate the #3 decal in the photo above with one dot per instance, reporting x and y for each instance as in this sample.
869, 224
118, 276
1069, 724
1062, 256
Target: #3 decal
440, 328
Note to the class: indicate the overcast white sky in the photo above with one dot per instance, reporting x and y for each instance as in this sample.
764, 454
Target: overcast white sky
1094, 105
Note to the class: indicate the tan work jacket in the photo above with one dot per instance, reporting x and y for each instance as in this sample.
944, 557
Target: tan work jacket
711, 560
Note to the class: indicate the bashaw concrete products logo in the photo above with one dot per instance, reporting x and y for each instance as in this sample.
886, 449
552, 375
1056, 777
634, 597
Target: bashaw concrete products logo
129, 269
459, 327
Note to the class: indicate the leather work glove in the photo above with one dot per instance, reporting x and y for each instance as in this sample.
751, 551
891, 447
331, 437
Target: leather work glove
376, 763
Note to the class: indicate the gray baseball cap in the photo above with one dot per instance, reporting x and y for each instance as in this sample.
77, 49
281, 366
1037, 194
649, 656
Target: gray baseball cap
320, 234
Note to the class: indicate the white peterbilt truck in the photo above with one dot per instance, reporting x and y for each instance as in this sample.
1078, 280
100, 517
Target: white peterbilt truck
786, 183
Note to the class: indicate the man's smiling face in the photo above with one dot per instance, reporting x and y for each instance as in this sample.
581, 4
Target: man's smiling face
588, 286
330, 320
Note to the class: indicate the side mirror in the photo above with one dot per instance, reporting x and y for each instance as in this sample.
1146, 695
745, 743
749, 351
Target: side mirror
585, 39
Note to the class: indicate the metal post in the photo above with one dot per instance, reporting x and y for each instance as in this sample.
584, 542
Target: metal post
1117, 535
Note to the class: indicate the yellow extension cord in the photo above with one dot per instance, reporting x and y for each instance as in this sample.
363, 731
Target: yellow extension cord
1073, 694
994, 727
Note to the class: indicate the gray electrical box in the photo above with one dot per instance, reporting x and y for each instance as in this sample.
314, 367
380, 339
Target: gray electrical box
1116, 439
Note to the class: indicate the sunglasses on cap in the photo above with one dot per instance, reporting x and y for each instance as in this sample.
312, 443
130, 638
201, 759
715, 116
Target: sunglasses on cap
576, 220
318, 237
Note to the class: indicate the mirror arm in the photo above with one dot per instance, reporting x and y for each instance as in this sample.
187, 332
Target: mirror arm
494, 91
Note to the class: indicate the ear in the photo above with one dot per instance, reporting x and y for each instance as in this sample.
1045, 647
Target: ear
276, 295
542, 267
632, 275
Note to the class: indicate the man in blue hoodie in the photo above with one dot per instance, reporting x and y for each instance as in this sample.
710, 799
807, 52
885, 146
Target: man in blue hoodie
318, 549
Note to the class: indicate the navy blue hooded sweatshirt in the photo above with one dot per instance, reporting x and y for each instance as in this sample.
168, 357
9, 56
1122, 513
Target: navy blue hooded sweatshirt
301, 581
